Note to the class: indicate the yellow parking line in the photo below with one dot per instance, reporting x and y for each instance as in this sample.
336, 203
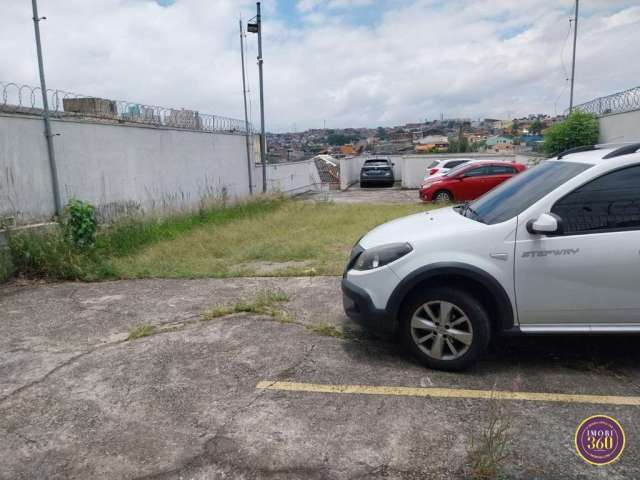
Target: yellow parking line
447, 393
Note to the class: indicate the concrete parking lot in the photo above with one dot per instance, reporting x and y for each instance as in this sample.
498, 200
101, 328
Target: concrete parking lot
357, 194
77, 400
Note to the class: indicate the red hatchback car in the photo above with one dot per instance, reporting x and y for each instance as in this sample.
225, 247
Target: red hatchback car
468, 181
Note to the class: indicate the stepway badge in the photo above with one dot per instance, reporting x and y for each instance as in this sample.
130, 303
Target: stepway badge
600, 440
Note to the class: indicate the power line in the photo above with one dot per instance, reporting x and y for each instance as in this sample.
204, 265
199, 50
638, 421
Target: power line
573, 60
564, 67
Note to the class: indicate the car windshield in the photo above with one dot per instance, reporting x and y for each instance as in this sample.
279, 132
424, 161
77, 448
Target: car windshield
376, 163
433, 164
521, 191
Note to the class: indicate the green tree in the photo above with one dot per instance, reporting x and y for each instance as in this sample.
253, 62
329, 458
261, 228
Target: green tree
580, 128
340, 139
536, 127
459, 145
382, 133
479, 146
515, 127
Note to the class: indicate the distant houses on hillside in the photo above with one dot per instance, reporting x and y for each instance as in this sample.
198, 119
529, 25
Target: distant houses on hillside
432, 144
435, 136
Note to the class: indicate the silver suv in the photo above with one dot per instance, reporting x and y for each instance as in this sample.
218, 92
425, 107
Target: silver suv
555, 249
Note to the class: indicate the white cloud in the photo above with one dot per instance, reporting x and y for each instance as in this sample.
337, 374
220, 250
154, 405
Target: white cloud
336, 4
307, 5
494, 58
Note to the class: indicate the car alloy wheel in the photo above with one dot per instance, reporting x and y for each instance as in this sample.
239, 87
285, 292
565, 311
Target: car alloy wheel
445, 327
441, 330
442, 197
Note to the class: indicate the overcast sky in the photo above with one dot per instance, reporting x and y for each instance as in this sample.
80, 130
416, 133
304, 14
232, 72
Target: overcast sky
346, 62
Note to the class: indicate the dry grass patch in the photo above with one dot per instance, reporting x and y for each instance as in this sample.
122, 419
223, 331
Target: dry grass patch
489, 448
326, 330
264, 304
306, 238
141, 331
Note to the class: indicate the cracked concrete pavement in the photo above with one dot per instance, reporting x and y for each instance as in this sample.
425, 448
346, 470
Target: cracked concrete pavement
78, 401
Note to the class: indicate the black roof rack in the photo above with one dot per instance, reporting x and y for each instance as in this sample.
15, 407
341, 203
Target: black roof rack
583, 148
626, 150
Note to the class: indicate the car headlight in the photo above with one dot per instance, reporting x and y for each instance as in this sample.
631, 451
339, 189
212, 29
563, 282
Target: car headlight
379, 256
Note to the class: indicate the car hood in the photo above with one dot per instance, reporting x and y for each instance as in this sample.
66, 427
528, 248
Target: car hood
437, 223
431, 179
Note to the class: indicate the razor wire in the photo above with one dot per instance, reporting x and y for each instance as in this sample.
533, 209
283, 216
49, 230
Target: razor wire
620, 102
17, 98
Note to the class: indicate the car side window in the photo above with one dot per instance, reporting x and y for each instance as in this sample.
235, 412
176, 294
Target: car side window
608, 203
501, 170
476, 172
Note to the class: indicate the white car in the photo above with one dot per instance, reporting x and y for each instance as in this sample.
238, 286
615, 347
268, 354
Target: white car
440, 167
555, 249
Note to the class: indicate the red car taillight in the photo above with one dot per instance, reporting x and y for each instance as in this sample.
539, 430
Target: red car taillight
433, 171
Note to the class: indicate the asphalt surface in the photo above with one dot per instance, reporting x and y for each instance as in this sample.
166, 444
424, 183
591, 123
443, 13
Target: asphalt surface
79, 401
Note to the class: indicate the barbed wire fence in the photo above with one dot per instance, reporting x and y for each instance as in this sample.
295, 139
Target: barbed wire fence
620, 102
26, 99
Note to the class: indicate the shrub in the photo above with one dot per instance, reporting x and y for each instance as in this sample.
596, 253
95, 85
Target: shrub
489, 449
578, 129
73, 251
6, 265
80, 224
50, 255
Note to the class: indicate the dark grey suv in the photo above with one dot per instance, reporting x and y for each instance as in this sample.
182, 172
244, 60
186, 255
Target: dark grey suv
377, 171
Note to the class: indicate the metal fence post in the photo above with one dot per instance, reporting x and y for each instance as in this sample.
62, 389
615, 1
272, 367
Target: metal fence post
263, 138
246, 117
45, 106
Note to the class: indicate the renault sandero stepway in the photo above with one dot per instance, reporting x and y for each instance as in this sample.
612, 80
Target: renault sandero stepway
555, 249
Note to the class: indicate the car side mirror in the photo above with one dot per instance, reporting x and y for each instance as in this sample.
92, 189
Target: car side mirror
545, 224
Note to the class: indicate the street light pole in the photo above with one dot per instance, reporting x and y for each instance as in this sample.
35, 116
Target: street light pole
263, 140
45, 108
246, 117
573, 61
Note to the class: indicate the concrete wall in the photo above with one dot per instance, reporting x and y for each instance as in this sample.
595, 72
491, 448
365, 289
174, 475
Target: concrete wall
128, 168
620, 127
289, 178
25, 179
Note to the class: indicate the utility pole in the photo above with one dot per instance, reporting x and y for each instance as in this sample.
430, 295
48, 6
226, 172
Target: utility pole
246, 117
257, 28
573, 61
45, 108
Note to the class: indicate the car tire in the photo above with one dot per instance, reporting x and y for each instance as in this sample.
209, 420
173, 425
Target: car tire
452, 335
443, 196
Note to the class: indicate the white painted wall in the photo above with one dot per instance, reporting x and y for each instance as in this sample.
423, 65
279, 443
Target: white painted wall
25, 178
289, 178
125, 168
620, 127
